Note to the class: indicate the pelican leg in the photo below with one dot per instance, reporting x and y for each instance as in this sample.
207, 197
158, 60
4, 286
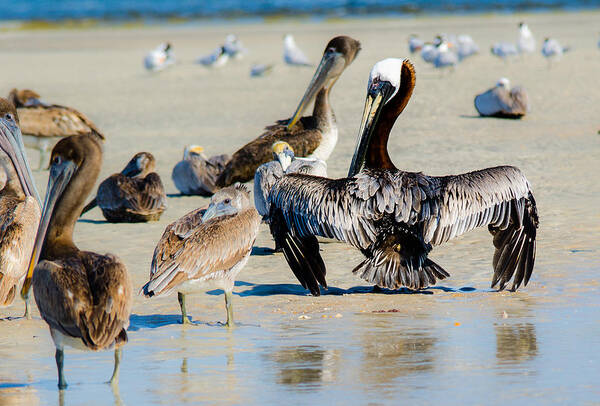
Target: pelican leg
114, 379
60, 358
181, 298
27, 314
229, 307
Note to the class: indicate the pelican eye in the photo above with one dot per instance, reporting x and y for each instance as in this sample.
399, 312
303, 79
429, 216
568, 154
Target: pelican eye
56, 160
227, 201
9, 117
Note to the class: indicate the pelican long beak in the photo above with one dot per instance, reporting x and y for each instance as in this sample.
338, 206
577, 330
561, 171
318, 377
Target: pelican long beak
329, 69
60, 175
210, 213
285, 159
377, 96
11, 142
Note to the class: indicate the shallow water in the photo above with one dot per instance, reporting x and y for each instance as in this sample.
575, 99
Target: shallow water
458, 342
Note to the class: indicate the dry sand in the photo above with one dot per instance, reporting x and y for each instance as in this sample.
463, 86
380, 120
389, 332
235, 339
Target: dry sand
448, 345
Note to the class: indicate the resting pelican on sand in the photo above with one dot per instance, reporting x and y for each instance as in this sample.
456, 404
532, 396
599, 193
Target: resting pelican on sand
84, 297
526, 42
292, 54
395, 217
19, 205
312, 136
502, 101
159, 58
42, 124
196, 174
134, 195
284, 162
205, 249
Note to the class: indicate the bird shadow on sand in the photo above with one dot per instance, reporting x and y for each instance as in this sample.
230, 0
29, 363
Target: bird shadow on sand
91, 221
262, 251
297, 290
150, 321
472, 116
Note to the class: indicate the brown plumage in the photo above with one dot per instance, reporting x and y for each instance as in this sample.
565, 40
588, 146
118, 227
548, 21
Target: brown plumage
395, 217
44, 124
311, 136
134, 195
207, 247
19, 209
84, 297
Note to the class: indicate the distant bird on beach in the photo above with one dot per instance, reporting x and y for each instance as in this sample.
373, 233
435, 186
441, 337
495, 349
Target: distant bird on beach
132, 196
215, 59
292, 54
445, 58
526, 42
502, 101
395, 217
84, 297
284, 162
553, 50
205, 249
19, 205
429, 50
43, 124
415, 44
465, 46
260, 69
159, 58
504, 50
196, 174
234, 47
313, 136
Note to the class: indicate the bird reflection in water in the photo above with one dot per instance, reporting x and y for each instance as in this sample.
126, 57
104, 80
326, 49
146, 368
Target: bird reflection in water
515, 343
306, 366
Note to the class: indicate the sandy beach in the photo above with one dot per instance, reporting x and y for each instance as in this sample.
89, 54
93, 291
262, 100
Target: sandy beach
458, 342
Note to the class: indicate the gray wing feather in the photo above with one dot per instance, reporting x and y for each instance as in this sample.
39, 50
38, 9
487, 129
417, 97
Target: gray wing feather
265, 177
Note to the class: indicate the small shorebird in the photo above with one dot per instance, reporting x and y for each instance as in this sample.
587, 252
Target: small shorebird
84, 297
504, 50
445, 58
396, 217
134, 195
215, 59
502, 101
284, 162
19, 205
552, 50
159, 58
43, 124
292, 54
196, 174
415, 44
525, 42
313, 136
206, 248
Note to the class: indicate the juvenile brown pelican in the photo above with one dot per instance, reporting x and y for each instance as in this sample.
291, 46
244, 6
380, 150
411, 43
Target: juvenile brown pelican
312, 136
196, 174
84, 297
395, 217
19, 205
205, 248
284, 162
134, 195
502, 101
44, 124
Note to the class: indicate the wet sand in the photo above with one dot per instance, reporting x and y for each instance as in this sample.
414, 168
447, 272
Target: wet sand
457, 342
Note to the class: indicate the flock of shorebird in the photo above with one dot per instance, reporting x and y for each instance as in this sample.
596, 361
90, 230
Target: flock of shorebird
393, 217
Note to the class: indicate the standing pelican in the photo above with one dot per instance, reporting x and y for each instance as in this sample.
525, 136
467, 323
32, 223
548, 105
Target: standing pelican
502, 101
284, 162
84, 297
196, 174
313, 136
292, 54
44, 124
159, 58
395, 217
205, 248
19, 205
134, 195
526, 42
